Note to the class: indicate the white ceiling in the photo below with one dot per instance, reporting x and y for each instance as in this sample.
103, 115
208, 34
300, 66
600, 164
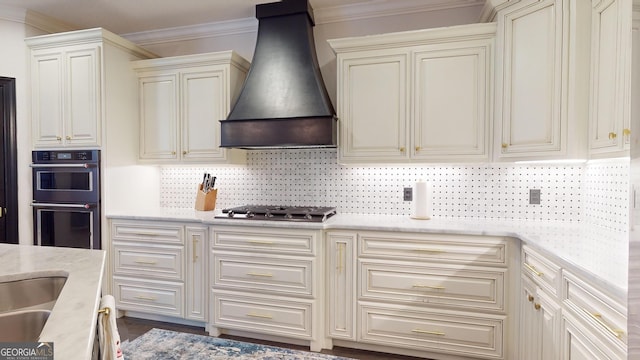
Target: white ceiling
130, 16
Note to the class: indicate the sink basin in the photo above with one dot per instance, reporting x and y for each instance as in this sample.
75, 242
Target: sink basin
22, 326
33, 293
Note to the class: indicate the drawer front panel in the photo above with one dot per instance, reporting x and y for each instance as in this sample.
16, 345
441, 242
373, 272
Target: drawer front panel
462, 334
283, 241
605, 314
278, 275
543, 272
149, 296
147, 231
472, 288
458, 248
162, 262
276, 316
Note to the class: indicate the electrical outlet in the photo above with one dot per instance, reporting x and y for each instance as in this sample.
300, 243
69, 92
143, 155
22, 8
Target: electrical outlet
408, 194
534, 196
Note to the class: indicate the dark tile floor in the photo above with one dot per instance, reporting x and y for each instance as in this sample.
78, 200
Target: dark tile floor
131, 328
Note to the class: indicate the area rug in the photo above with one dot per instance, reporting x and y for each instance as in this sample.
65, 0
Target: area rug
159, 344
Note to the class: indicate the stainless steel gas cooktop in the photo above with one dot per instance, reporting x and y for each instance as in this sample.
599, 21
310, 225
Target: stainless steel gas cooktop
279, 213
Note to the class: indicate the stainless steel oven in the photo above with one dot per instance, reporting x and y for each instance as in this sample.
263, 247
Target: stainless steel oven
66, 198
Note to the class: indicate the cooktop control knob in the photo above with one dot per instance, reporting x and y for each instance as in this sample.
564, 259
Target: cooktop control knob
308, 217
250, 214
288, 216
230, 213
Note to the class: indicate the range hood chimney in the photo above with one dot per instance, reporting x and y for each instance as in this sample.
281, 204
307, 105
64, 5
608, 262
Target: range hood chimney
283, 102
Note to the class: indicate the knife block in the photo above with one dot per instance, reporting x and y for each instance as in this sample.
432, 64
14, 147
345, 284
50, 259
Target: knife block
206, 201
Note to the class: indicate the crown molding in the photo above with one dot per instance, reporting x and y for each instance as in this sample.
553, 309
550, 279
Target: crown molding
341, 13
34, 19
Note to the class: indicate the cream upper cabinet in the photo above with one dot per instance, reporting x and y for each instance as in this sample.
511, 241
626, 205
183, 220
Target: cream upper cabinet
182, 100
610, 77
415, 96
542, 80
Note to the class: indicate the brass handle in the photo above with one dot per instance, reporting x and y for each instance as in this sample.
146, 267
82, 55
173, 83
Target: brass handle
150, 298
260, 274
598, 318
340, 266
418, 148
530, 298
433, 251
260, 316
173, 153
505, 145
612, 135
533, 269
429, 287
2, 210
258, 242
402, 149
536, 306
146, 262
184, 152
68, 137
626, 132
438, 333
195, 250
59, 138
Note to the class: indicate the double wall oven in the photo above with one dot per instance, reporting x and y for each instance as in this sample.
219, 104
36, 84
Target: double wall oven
66, 198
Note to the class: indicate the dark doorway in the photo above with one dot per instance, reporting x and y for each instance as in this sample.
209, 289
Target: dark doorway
9, 162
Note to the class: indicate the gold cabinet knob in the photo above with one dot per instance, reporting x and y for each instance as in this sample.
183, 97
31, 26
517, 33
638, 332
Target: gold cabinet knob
59, 138
418, 148
173, 153
612, 135
184, 152
402, 149
68, 137
530, 298
626, 132
505, 145
536, 306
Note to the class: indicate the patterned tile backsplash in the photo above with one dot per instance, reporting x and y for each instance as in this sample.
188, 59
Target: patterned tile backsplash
596, 192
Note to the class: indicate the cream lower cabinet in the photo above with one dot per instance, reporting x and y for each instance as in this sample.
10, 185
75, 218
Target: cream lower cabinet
182, 99
542, 80
159, 268
424, 295
415, 96
267, 282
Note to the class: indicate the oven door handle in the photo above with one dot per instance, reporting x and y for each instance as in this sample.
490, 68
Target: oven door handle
83, 166
75, 206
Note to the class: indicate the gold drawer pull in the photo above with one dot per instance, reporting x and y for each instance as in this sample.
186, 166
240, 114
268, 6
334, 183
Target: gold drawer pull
598, 318
402, 149
260, 274
429, 287
626, 132
438, 333
536, 306
195, 248
141, 297
533, 269
432, 251
612, 135
530, 298
260, 242
340, 266
146, 262
505, 145
261, 316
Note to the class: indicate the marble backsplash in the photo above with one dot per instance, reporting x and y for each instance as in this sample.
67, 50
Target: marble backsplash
596, 192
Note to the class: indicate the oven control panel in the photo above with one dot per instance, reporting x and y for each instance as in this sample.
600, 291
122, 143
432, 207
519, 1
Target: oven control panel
61, 156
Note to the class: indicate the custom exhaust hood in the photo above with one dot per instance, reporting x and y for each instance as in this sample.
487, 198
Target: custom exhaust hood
283, 102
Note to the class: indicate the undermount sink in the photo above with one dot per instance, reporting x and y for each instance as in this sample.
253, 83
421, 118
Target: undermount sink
33, 293
23, 325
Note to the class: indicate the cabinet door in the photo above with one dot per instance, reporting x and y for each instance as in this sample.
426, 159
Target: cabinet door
158, 117
82, 97
204, 103
539, 324
47, 97
451, 92
373, 113
196, 282
579, 343
341, 285
609, 120
529, 323
531, 73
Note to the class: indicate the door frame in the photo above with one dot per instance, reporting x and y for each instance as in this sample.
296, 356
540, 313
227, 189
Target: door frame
11, 158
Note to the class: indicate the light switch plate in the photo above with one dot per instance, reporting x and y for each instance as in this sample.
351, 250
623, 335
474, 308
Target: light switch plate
534, 196
408, 194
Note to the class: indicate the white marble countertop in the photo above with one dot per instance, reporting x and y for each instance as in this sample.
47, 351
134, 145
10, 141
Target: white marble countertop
72, 323
601, 255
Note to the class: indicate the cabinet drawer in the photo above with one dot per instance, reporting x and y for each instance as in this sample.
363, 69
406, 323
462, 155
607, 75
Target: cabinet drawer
605, 315
157, 261
543, 272
473, 288
265, 240
159, 232
158, 297
270, 315
482, 250
458, 333
279, 275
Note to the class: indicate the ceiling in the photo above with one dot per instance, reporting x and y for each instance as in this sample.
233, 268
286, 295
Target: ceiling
131, 16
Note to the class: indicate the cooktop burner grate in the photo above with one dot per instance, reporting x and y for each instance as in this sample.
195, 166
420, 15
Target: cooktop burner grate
281, 213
